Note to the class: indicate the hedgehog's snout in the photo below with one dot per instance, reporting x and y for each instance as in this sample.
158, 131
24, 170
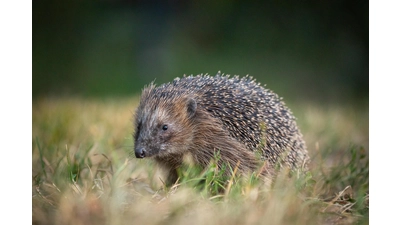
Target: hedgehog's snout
140, 153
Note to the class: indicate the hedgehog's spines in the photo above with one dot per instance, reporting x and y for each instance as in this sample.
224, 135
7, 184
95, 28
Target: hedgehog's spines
250, 114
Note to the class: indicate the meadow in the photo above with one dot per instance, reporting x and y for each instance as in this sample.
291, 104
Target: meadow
82, 172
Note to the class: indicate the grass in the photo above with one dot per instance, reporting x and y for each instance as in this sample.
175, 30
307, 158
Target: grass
81, 173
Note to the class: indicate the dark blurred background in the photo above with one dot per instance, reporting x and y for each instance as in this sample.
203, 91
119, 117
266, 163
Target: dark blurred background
303, 50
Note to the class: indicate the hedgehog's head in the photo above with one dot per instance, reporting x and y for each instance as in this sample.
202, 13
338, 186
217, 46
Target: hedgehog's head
163, 122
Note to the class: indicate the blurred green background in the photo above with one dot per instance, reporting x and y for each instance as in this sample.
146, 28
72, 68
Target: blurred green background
303, 50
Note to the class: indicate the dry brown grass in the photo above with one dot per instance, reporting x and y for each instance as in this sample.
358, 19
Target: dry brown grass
81, 174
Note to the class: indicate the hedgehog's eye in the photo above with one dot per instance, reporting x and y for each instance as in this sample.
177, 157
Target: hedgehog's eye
165, 127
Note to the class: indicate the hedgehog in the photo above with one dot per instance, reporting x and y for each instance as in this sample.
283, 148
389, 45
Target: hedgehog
199, 116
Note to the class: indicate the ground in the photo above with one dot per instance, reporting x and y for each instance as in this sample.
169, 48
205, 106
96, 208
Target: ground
82, 172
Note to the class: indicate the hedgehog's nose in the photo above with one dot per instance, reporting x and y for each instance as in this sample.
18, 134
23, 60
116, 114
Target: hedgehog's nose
140, 153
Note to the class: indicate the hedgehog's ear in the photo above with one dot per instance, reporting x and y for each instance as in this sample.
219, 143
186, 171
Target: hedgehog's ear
191, 107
